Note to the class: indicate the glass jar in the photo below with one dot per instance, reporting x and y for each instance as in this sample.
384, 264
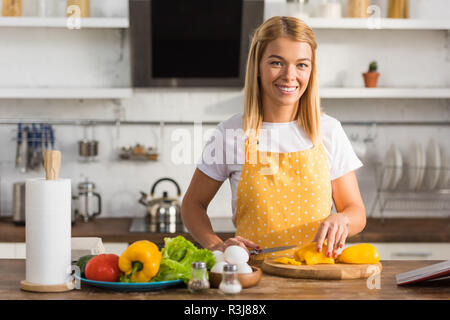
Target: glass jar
398, 9
46, 8
198, 282
357, 8
298, 8
11, 8
230, 283
83, 5
330, 9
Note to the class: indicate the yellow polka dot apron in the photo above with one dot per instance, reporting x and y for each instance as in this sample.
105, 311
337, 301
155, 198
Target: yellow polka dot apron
282, 197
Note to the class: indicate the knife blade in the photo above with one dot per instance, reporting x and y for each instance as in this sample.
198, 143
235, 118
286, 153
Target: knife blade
270, 250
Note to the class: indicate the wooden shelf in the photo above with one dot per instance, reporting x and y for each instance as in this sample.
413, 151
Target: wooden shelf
66, 93
61, 22
382, 23
388, 93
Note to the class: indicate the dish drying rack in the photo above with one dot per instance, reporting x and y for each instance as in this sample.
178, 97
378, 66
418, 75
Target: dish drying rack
402, 196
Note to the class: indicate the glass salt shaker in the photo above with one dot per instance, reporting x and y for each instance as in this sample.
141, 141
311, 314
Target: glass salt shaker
230, 283
199, 282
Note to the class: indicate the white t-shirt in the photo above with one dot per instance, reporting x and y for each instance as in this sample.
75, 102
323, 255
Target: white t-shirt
223, 155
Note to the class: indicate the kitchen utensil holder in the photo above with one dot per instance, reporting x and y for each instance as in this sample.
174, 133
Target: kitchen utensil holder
39, 139
37, 142
402, 198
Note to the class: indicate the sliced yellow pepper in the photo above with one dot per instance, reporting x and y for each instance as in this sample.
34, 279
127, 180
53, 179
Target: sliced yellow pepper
309, 255
286, 260
140, 261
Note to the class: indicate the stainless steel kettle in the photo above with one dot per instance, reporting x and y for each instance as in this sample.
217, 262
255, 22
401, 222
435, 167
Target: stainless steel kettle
163, 214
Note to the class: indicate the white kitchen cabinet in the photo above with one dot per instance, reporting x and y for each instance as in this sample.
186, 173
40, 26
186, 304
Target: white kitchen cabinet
12, 250
115, 247
20, 250
7, 250
17, 250
411, 250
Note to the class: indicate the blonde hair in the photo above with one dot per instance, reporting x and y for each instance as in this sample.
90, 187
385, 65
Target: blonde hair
309, 110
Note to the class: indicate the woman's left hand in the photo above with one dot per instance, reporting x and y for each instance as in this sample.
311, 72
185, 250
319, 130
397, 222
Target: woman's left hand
335, 229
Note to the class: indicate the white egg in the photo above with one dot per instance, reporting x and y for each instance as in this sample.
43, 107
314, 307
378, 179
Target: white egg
218, 255
235, 255
244, 268
218, 267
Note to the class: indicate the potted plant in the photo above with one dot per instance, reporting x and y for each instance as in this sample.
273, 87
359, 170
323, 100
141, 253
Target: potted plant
371, 76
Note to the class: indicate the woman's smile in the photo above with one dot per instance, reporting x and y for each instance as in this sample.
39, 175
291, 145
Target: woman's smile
287, 90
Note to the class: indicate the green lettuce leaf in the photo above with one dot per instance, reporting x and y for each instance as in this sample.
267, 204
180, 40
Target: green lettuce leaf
177, 257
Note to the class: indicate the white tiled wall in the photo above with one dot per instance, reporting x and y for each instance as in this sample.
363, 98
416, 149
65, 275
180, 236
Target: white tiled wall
59, 57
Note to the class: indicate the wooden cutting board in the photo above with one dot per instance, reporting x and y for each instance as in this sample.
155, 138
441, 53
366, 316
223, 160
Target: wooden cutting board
338, 271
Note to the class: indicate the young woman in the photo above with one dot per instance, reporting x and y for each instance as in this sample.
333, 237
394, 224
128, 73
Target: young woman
282, 192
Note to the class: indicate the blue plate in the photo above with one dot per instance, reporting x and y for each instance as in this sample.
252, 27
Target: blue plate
124, 286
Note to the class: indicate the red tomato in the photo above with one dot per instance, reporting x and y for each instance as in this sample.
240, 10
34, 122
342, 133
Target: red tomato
103, 267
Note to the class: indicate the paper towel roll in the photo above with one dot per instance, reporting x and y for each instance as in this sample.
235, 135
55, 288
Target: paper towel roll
48, 231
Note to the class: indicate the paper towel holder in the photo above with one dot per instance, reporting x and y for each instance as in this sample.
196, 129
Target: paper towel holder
52, 165
27, 286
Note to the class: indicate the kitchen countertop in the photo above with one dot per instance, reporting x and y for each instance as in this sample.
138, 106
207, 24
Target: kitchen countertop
269, 288
117, 230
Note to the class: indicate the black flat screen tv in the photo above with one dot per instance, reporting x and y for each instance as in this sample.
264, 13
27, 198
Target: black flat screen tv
192, 43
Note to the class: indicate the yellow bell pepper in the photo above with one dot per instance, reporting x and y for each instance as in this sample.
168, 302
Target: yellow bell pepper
363, 253
140, 262
309, 255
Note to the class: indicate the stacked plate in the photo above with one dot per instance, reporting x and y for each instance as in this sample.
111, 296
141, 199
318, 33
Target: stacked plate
392, 170
416, 166
433, 169
428, 170
444, 179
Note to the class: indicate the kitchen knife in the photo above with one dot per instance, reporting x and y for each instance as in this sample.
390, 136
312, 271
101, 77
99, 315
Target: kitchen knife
270, 250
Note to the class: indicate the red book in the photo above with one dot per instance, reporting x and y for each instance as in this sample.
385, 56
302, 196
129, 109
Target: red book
435, 271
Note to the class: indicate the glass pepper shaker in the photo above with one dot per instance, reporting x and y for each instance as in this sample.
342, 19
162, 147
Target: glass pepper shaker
230, 283
199, 282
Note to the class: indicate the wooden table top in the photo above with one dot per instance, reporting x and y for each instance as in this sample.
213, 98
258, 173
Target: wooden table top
117, 230
269, 288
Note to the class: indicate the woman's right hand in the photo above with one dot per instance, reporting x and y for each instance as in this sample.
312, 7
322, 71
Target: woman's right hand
236, 241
